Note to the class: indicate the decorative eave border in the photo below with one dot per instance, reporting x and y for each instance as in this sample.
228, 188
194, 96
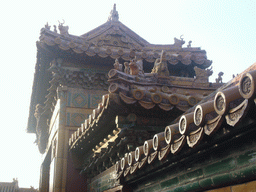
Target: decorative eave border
230, 106
149, 52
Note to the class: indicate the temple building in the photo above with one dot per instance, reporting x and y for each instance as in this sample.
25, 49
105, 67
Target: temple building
113, 112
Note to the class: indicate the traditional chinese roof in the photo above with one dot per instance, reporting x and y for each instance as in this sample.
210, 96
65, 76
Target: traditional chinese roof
232, 105
114, 39
99, 47
146, 103
229, 105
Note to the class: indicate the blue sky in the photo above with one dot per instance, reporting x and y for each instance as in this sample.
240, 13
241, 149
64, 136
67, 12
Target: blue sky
225, 29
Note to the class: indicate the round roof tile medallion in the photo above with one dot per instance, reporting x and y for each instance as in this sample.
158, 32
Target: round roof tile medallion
138, 153
147, 147
192, 100
72, 44
85, 47
120, 52
174, 99
156, 98
168, 134
165, 89
108, 51
201, 111
224, 97
182, 125
247, 85
131, 157
57, 40
117, 167
170, 131
220, 103
198, 115
138, 94
124, 163
157, 140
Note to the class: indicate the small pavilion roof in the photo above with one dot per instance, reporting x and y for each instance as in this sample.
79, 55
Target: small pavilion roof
116, 40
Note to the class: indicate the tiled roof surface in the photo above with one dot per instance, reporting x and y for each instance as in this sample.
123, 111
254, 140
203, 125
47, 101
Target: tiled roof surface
111, 40
130, 96
115, 40
150, 93
229, 106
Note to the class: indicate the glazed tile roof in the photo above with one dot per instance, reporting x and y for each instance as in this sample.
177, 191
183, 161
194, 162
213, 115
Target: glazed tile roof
230, 105
111, 40
145, 92
116, 40
146, 95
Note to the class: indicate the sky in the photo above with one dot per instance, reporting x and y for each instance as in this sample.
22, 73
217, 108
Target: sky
225, 29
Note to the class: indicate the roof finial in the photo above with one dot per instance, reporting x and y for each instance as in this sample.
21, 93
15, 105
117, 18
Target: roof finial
113, 14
